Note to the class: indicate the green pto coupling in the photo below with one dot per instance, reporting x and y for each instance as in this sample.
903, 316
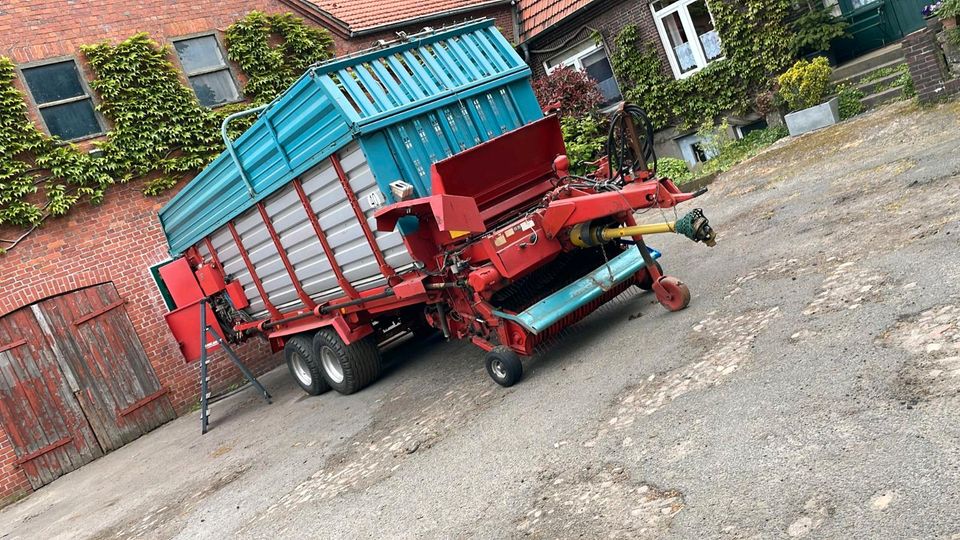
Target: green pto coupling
696, 227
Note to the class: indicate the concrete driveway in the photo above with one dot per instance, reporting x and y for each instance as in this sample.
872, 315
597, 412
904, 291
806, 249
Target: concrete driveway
812, 389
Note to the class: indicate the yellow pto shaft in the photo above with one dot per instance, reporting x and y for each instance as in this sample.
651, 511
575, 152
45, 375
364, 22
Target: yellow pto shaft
694, 226
613, 233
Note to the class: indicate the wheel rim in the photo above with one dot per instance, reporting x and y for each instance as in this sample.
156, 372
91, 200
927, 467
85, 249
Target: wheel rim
498, 369
301, 370
331, 364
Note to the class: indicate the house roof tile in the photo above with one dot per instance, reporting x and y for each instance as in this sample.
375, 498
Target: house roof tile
538, 15
365, 15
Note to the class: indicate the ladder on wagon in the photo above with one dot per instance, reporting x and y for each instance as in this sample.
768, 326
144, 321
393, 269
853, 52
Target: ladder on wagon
206, 400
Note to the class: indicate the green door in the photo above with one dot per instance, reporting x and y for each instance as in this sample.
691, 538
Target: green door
877, 23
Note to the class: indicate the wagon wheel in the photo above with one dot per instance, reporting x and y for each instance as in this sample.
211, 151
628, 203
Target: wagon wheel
304, 365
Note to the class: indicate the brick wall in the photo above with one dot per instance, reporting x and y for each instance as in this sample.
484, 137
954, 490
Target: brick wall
32, 30
13, 482
608, 18
115, 242
927, 65
118, 241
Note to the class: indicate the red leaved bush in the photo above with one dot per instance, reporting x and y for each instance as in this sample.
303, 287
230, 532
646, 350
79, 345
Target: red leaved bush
573, 90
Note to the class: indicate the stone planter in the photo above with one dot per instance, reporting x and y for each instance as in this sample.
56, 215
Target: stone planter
820, 116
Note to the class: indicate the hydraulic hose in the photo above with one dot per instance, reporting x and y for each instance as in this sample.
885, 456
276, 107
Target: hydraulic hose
622, 151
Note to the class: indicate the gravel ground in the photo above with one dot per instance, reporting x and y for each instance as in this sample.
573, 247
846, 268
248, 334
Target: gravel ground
812, 389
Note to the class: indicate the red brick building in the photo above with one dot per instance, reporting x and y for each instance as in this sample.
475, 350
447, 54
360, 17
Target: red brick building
582, 34
87, 362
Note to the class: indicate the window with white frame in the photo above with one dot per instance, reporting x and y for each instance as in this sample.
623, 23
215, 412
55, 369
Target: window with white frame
207, 70
688, 34
591, 58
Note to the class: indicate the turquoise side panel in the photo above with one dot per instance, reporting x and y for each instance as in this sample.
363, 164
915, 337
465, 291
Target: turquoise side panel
308, 128
558, 305
409, 105
405, 149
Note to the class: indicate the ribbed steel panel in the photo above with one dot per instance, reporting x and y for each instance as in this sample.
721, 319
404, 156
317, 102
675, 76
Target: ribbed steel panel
289, 219
309, 128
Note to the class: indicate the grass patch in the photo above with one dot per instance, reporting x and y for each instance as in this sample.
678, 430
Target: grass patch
730, 154
743, 149
885, 72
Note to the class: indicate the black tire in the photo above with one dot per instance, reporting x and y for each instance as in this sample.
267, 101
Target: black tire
304, 365
646, 282
359, 362
504, 366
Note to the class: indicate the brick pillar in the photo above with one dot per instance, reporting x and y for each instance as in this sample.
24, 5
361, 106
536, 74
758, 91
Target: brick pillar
927, 66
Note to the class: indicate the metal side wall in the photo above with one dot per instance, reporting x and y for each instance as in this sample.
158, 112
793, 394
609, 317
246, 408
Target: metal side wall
308, 128
406, 150
336, 217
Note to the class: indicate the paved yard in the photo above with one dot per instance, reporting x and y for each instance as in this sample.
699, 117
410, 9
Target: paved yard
811, 389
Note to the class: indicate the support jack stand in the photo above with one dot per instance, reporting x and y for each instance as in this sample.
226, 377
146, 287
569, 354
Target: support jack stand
205, 399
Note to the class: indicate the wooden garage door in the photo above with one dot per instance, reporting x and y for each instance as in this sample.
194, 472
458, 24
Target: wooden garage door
94, 366
41, 416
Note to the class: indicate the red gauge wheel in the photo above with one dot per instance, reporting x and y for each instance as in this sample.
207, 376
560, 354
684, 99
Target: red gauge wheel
672, 293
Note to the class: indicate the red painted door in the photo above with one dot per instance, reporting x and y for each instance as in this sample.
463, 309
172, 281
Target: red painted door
119, 391
75, 382
47, 427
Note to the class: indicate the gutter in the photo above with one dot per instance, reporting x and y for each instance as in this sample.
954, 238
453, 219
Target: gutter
320, 16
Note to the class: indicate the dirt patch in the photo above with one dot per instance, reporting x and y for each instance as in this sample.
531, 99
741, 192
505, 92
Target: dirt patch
409, 422
779, 269
727, 343
932, 369
846, 287
166, 519
578, 504
815, 511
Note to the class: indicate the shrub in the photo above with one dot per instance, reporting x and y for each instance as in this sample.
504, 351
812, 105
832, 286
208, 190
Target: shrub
948, 8
850, 104
574, 90
750, 145
675, 169
805, 84
952, 36
584, 138
714, 138
815, 30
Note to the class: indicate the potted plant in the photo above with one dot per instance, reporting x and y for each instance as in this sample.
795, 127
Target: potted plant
948, 12
802, 89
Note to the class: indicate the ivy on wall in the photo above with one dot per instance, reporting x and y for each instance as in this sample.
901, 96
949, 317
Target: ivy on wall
756, 45
159, 130
158, 125
38, 177
270, 68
